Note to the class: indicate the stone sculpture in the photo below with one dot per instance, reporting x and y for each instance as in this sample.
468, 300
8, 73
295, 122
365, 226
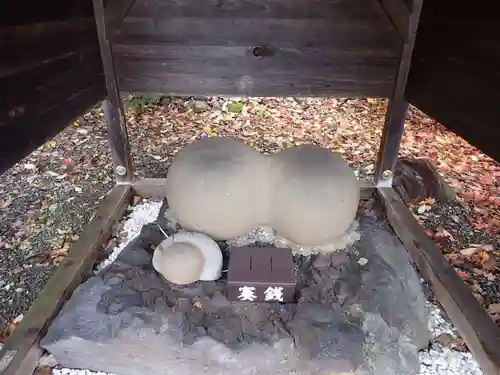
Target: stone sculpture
315, 195
215, 186
225, 189
188, 257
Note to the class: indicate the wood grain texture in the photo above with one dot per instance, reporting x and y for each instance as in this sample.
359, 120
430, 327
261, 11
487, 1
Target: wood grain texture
18, 355
44, 87
113, 105
399, 14
116, 10
27, 46
15, 12
50, 71
155, 187
201, 48
24, 134
336, 10
398, 106
479, 331
455, 72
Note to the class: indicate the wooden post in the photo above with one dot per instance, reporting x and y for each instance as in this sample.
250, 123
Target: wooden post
113, 105
398, 106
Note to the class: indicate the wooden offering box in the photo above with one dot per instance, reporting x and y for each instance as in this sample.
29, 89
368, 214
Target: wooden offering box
261, 274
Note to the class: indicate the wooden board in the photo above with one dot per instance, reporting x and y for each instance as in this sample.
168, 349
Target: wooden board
113, 105
155, 187
19, 356
202, 48
455, 73
479, 331
49, 104
397, 107
50, 71
15, 12
399, 15
25, 47
44, 87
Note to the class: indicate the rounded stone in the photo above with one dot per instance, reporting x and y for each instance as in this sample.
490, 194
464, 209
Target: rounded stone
315, 195
177, 258
215, 185
180, 263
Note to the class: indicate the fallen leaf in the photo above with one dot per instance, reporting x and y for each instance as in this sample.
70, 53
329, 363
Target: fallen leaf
18, 319
4, 203
428, 201
494, 308
469, 251
210, 131
489, 276
423, 208
45, 370
463, 275
448, 340
429, 232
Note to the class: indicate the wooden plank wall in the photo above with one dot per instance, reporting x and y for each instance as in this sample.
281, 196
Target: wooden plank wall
50, 71
193, 47
455, 71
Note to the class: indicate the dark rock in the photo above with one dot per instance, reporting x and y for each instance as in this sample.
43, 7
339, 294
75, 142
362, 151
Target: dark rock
344, 316
417, 179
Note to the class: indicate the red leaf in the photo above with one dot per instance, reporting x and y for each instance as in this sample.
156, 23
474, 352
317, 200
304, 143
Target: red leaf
464, 276
429, 232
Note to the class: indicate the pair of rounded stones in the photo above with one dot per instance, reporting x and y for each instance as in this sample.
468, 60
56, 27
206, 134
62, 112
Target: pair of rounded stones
223, 188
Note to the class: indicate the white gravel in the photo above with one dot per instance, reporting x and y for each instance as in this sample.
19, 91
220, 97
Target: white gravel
440, 359
141, 214
270, 236
437, 360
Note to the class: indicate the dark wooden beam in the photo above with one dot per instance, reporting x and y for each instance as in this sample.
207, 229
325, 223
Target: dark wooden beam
116, 11
24, 47
399, 15
478, 330
457, 58
21, 137
20, 354
279, 48
398, 106
113, 105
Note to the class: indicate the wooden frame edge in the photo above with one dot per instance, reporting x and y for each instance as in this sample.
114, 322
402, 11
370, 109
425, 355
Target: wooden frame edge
480, 333
398, 14
20, 354
155, 187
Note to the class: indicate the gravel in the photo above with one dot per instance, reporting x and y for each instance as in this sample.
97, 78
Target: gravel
440, 359
437, 359
140, 215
